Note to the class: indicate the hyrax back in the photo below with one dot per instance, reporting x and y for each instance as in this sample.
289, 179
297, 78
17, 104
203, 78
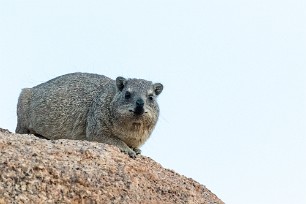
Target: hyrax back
121, 112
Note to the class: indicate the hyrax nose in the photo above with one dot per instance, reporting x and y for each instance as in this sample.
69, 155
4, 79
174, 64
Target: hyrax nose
139, 103
139, 110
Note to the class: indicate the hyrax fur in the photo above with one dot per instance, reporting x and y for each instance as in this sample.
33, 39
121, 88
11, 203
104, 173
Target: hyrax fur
83, 106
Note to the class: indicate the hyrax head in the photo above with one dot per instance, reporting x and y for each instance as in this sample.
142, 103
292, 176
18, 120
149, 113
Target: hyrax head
134, 105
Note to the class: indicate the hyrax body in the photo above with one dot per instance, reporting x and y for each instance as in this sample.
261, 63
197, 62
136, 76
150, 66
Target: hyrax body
83, 106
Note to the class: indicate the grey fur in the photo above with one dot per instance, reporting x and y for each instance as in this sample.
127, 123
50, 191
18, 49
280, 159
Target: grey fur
91, 107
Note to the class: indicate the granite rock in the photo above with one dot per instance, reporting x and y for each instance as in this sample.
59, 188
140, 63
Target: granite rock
35, 170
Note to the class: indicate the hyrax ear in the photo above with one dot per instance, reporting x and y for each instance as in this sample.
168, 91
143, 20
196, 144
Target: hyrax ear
120, 82
158, 88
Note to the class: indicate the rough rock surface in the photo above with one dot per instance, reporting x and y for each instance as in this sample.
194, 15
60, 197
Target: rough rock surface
34, 170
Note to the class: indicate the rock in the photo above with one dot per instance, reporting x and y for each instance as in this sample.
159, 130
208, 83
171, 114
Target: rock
4, 130
35, 170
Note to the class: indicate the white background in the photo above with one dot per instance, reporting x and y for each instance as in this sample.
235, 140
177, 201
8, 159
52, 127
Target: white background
233, 109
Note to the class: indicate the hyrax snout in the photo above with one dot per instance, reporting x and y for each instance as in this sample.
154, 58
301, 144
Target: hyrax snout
121, 112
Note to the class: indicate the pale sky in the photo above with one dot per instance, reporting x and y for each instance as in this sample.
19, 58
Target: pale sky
233, 109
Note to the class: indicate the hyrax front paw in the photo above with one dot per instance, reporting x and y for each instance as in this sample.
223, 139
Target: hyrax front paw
130, 152
137, 151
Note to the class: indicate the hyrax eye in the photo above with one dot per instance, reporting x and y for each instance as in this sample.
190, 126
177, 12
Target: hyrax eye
127, 95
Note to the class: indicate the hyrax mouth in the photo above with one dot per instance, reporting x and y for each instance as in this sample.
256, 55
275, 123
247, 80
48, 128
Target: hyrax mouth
138, 111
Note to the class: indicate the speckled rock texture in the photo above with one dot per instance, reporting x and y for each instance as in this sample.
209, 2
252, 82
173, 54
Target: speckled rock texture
34, 170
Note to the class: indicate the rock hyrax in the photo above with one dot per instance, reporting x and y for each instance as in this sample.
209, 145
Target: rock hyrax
83, 106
